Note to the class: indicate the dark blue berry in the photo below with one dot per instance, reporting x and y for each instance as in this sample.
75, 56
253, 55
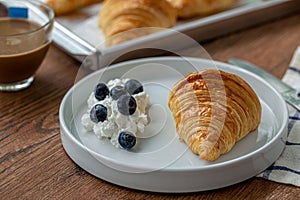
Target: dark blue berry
127, 140
133, 86
117, 91
101, 91
126, 105
98, 113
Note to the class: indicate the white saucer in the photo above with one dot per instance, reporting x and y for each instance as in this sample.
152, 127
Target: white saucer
162, 163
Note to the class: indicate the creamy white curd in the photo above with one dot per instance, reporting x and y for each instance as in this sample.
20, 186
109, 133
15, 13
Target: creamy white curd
117, 122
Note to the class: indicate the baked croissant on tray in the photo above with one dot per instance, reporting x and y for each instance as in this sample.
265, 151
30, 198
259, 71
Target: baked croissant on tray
213, 110
119, 16
61, 7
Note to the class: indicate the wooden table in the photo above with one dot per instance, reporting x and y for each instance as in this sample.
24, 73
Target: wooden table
34, 165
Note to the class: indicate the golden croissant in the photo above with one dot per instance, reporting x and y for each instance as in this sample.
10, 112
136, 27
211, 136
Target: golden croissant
191, 8
61, 7
213, 110
119, 16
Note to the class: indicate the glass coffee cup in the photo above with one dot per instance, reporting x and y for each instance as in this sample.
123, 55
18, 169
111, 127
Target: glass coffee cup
25, 36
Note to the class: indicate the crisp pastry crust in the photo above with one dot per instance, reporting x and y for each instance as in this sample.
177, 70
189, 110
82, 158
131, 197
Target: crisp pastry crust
213, 110
119, 16
61, 7
191, 8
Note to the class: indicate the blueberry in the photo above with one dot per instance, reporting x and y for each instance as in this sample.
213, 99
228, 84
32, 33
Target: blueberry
117, 91
126, 105
101, 91
98, 113
133, 86
127, 140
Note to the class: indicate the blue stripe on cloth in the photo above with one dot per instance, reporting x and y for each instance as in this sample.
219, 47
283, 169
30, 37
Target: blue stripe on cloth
292, 143
269, 170
283, 168
294, 69
293, 120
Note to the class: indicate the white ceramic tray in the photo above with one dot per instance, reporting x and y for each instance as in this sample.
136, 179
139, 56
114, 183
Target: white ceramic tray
162, 163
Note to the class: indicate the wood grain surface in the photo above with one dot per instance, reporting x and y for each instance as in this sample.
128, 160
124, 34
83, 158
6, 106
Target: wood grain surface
34, 165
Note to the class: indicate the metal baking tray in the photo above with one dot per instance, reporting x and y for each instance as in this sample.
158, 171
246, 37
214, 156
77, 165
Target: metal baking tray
78, 35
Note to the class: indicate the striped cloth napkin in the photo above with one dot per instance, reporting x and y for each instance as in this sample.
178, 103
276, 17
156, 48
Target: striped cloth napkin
287, 168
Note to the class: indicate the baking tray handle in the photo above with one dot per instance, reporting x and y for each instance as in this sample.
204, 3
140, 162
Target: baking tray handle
72, 44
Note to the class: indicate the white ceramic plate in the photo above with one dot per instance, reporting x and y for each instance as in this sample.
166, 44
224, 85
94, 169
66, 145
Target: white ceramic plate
162, 163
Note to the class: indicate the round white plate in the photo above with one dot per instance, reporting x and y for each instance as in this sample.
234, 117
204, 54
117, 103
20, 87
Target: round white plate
161, 162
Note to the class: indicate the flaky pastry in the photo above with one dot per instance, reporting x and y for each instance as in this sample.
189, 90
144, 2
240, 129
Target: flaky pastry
61, 7
213, 110
119, 16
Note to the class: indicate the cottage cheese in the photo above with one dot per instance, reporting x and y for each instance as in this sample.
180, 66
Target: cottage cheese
117, 122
